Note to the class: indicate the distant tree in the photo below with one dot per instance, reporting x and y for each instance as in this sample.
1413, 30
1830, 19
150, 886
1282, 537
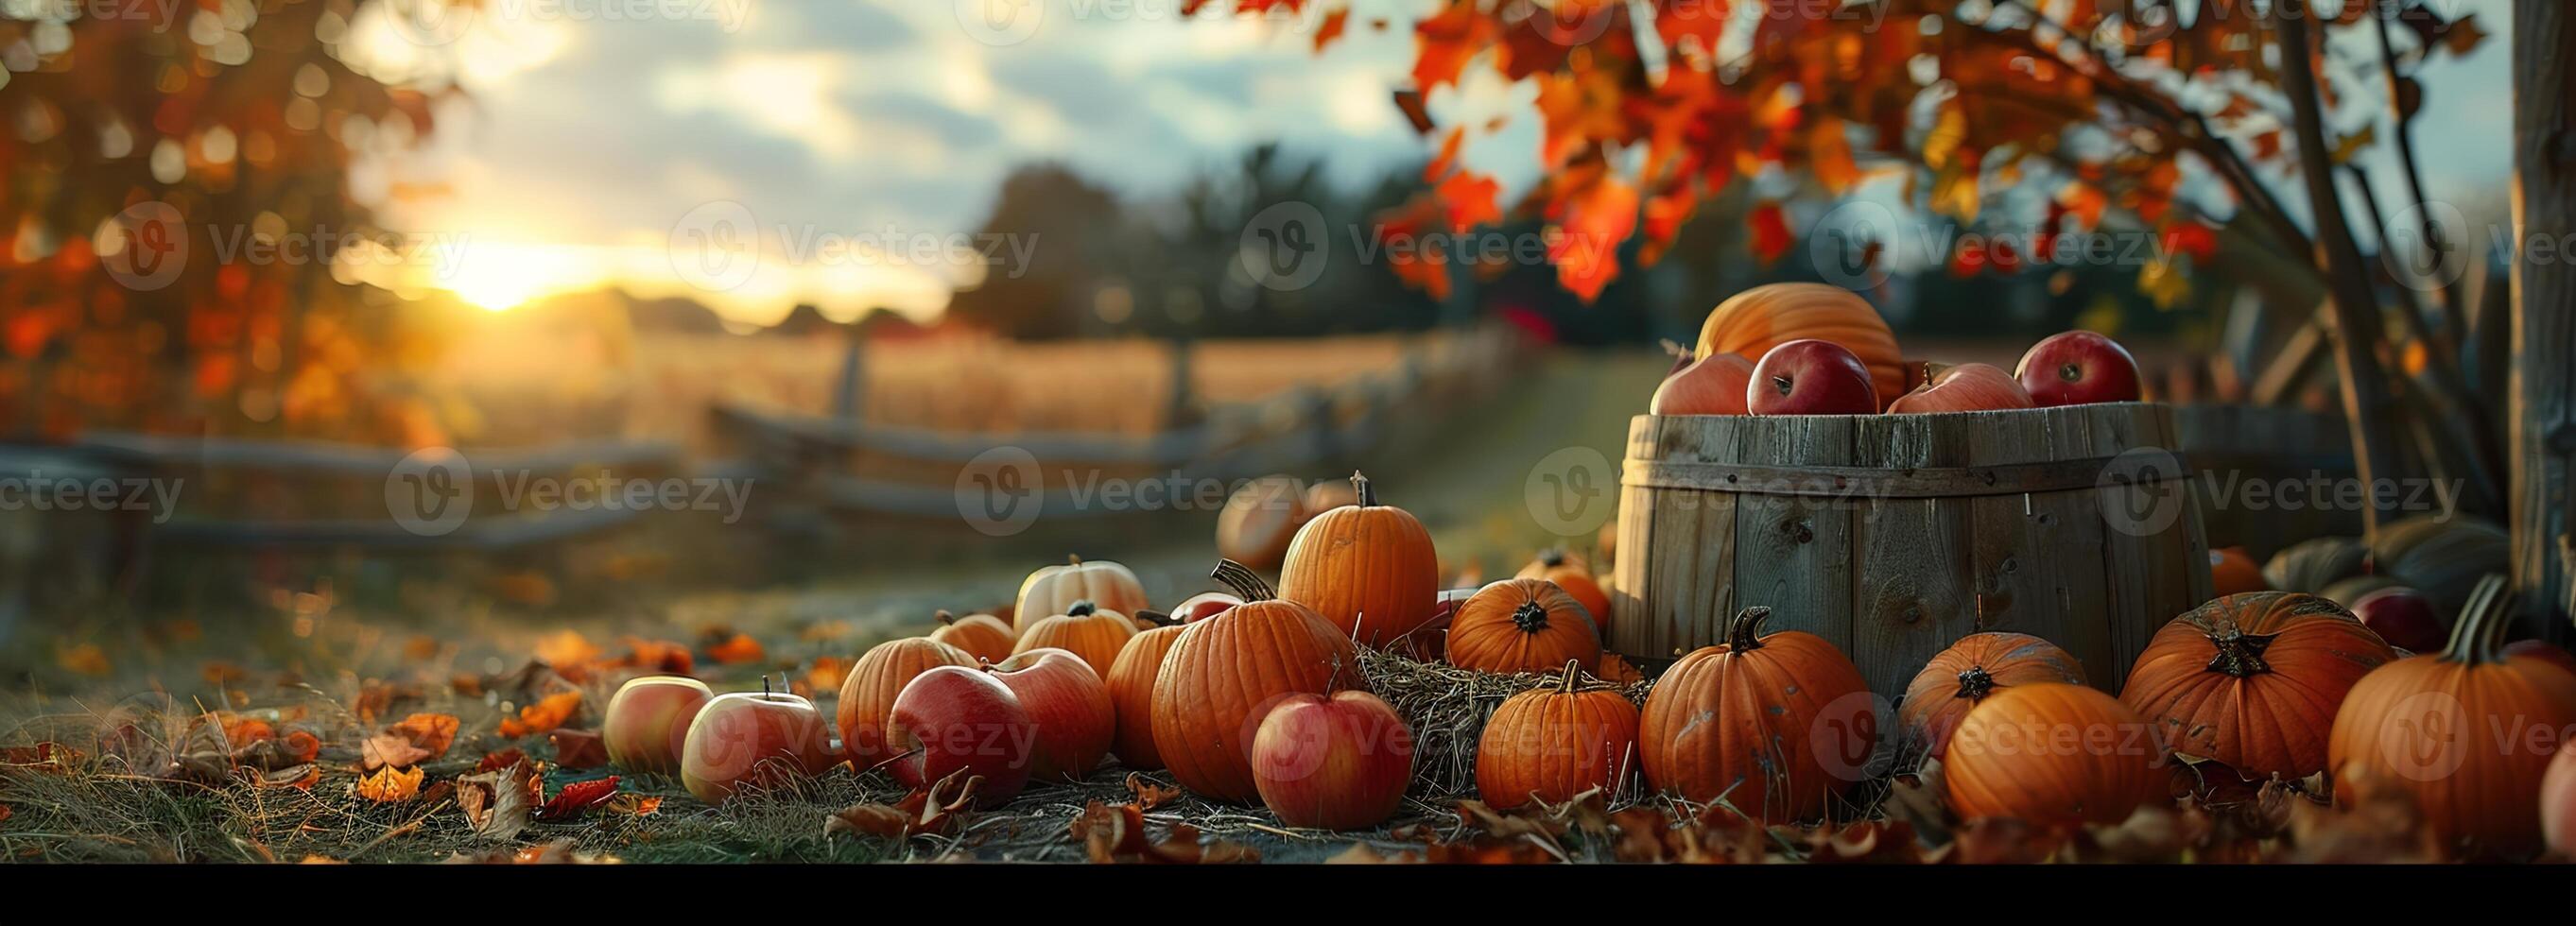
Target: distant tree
1071, 229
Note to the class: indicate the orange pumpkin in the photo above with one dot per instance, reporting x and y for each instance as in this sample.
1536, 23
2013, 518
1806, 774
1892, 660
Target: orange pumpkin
1971, 670
2467, 732
2052, 755
1521, 625
1053, 589
1575, 577
1086, 630
1758, 319
982, 636
867, 692
1366, 567
1744, 720
2253, 680
1131, 688
1550, 744
1258, 520
2233, 572
1225, 673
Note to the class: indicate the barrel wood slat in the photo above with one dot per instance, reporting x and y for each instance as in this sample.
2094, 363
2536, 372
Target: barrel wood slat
1946, 525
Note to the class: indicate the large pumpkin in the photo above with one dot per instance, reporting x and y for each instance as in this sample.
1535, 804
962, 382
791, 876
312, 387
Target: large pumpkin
1775, 724
1087, 630
1971, 670
1224, 673
1053, 589
2253, 680
2052, 755
1550, 744
1756, 320
1571, 574
1259, 520
1366, 567
1131, 688
2467, 731
982, 636
867, 692
1522, 625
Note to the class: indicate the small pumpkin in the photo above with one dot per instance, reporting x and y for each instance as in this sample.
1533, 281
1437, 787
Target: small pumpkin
1052, 590
1756, 320
2053, 755
2253, 680
2232, 572
1368, 568
1572, 574
982, 636
867, 692
2441, 555
1744, 720
1088, 631
2466, 732
1131, 688
1971, 670
1552, 743
2311, 565
1224, 673
1521, 625
1259, 519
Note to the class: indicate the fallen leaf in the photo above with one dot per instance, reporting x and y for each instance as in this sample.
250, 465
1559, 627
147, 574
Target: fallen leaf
497, 803
420, 648
934, 809
553, 711
5, 812
826, 673
496, 761
48, 756
578, 749
737, 650
1116, 834
1150, 795
85, 659
566, 648
660, 657
631, 804
223, 674
272, 753
389, 785
418, 738
377, 699
579, 798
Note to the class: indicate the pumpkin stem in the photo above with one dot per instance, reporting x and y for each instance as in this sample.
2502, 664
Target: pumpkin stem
1082, 608
2239, 653
944, 617
1740, 632
1156, 618
1530, 617
1073, 559
1360, 487
1683, 357
1975, 684
1552, 557
1246, 583
2479, 636
1573, 672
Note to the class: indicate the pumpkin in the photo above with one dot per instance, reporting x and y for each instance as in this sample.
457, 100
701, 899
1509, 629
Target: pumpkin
1224, 673
982, 636
1053, 590
2350, 591
2466, 732
2253, 680
2311, 565
2233, 572
1131, 688
1552, 743
1521, 625
1366, 567
1328, 494
2053, 755
1259, 519
1617, 671
1971, 670
2441, 555
867, 692
1571, 574
1758, 319
1743, 720
1089, 632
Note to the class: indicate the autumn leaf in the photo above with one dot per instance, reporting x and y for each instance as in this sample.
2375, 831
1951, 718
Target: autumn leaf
85, 659
939, 808
1115, 834
1590, 226
657, 656
1771, 236
553, 711
389, 784
496, 761
631, 804
418, 738
578, 749
1446, 41
1150, 795
497, 803
578, 798
736, 650
1331, 28
826, 673
299, 777
567, 648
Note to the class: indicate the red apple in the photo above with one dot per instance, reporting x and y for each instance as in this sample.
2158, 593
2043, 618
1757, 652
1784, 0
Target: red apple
1069, 705
1711, 385
1204, 605
1341, 763
2403, 617
763, 738
1810, 377
2544, 651
1966, 387
2558, 799
2077, 368
647, 725
953, 718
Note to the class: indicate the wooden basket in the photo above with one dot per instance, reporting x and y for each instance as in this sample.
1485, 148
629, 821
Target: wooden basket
1894, 535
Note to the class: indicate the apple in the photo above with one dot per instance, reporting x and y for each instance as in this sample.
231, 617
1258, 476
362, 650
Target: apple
763, 738
2544, 651
2558, 799
952, 718
1339, 763
2403, 617
2078, 368
1966, 387
1810, 377
647, 726
1204, 605
1069, 705
1711, 385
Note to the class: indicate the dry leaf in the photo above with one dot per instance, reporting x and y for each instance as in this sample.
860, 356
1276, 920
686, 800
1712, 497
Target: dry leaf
566, 648
631, 804
558, 852
578, 749
826, 673
1150, 795
48, 757
553, 711
496, 761
935, 809
300, 777
497, 803
1116, 834
390, 784
377, 699
736, 650
418, 738
579, 798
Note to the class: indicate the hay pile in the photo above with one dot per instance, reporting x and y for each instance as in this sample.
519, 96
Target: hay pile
1447, 706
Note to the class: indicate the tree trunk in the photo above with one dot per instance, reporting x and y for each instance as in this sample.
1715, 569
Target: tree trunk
2544, 311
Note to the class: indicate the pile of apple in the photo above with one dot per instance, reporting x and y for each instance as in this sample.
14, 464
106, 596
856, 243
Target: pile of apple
1818, 377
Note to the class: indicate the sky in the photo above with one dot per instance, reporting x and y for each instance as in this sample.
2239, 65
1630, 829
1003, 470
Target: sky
594, 146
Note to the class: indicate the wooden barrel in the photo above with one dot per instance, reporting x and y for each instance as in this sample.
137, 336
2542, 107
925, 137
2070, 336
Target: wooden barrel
1895, 535
2234, 445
